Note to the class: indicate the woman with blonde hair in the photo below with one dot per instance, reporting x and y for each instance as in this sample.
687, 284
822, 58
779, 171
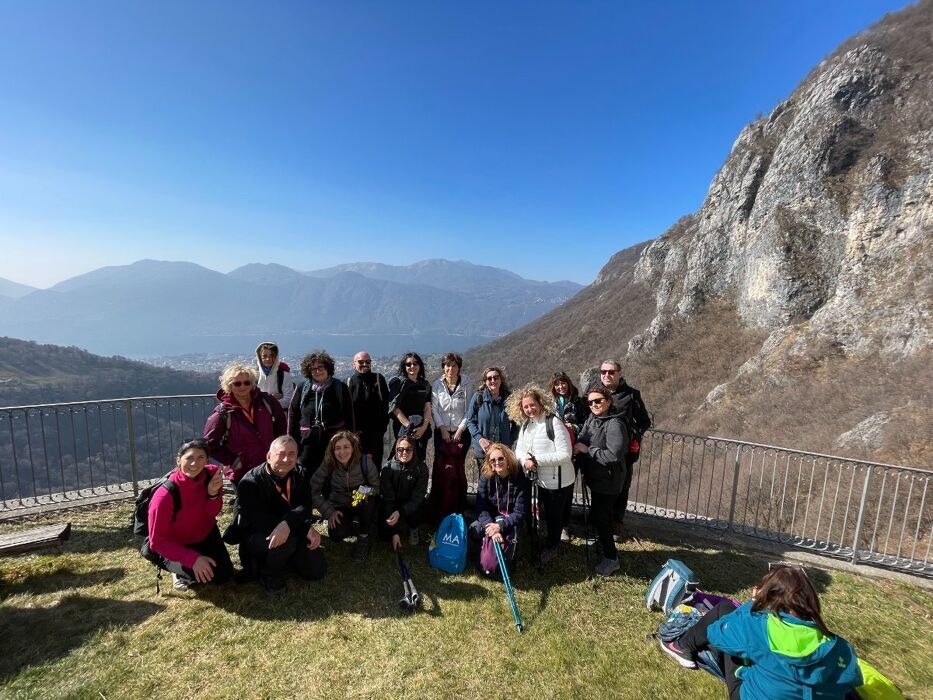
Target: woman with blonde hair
500, 506
544, 451
346, 488
244, 423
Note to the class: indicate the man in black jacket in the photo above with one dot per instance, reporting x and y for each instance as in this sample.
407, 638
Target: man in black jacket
274, 518
627, 403
369, 394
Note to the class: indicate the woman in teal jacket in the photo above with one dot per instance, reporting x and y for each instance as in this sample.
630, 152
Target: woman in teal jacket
776, 646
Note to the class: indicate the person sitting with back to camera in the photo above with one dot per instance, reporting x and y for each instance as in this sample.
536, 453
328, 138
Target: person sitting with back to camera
185, 540
774, 647
274, 518
500, 506
346, 488
403, 484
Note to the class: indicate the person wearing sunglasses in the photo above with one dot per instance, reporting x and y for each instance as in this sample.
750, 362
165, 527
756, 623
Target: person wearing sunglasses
320, 408
501, 502
600, 452
410, 402
487, 418
369, 394
404, 485
775, 646
244, 423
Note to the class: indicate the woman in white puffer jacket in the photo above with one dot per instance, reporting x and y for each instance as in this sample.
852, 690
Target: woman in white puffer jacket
543, 449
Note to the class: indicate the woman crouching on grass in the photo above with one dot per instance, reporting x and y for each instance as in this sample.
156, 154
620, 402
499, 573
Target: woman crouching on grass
185, 540
346, 488
500, 506
776, 646
403, 483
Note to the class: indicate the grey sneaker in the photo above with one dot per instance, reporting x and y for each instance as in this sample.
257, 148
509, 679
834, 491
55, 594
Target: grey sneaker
178, 584
607, 567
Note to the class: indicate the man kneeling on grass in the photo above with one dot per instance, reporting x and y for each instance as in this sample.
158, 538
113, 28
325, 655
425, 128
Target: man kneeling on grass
275, 518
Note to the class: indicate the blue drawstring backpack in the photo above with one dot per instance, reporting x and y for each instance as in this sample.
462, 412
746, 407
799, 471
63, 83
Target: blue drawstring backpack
448, 550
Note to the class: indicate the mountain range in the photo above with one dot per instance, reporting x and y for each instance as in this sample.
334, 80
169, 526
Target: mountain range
796, 306
162, 308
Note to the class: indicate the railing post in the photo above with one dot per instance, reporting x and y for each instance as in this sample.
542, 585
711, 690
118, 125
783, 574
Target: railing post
131, 441
861, 513
735, 484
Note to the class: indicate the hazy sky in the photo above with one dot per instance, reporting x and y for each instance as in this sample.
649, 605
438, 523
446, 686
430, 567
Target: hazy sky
536, 136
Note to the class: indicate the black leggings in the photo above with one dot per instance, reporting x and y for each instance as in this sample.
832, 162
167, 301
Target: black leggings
621, 504
307, 563
365, 512
211, 546
694, 641
601, 512
552, 503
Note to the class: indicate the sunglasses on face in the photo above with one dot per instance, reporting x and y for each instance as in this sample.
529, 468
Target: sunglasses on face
497, 460
608, 371
364, 362
596, 402
493, 378
244, 382
412, 364
403, 450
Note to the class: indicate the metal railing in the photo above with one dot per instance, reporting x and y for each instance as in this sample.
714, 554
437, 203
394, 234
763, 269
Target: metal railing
861, 511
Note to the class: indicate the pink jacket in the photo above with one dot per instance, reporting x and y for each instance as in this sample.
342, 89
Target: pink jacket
192, 523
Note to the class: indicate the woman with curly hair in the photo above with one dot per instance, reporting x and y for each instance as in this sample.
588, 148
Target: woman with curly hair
544, 451
500, 505
319, 409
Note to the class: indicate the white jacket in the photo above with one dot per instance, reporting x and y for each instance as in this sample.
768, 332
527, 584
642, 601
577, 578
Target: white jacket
449, 410
555, 470
269, 383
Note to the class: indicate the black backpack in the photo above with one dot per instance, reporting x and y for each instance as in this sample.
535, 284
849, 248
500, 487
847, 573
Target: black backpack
140, 518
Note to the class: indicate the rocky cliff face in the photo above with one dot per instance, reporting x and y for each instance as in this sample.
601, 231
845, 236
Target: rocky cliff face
796, 305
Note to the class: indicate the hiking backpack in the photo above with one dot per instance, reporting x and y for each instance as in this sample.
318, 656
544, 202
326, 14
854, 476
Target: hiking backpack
448, 550
228, 417
140, 518
674, 583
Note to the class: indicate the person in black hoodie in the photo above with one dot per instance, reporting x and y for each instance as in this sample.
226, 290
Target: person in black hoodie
572, 409
274, 516
320, 408
404, 485
369, 395
600, 451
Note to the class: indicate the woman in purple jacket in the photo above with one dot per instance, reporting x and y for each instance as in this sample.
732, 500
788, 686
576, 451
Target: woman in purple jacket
185, 540
244, 423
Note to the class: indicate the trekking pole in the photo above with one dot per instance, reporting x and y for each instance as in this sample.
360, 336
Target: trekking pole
412, 598
509, 593
587, 533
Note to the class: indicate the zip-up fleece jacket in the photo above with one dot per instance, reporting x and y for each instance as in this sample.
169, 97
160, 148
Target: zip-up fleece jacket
261, 507
343, 482
790, 658
247, 442
555, 470
608, 441
193, 521
511, 497
404, 486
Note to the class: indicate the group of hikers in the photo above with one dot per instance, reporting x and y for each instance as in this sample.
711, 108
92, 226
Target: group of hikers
312, 451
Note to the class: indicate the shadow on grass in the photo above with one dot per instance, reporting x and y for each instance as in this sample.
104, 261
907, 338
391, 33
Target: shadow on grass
34, 636
371, 589
62, 578
102, 538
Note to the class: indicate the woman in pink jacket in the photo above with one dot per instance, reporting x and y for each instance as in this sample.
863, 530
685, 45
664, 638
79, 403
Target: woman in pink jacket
183, 534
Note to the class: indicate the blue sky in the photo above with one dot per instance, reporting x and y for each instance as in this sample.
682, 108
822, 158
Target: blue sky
536, 136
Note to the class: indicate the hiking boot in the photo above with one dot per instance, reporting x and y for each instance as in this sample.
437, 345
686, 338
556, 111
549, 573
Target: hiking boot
274, 586
414, 537
179, 584
548, 555
684, 658
607, 567
360, 550
565, 536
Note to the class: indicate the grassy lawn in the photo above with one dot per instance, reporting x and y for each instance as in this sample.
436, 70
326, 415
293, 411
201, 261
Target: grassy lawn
86, 622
